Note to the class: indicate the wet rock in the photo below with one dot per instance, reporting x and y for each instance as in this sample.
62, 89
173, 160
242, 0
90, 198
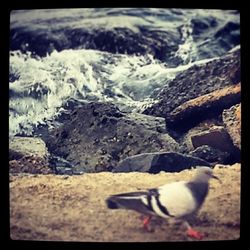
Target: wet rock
224, 36
26, 146
60, 165
159, 161
196, 81
126, 32
230, 33
193, 111
99, 135
122, 40
232, 121
64, 171
211, 154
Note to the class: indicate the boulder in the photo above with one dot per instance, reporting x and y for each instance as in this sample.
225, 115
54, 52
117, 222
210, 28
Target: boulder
185, 140
232, 121
159, 161
216, 137
27, 146
99, 135
159, 43
28, 155
211, 154
129, 31
194, 111
196, 81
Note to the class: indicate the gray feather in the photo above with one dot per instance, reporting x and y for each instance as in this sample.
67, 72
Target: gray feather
132, 201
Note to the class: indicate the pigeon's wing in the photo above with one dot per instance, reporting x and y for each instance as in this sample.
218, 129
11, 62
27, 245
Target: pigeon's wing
138, 201
147, 202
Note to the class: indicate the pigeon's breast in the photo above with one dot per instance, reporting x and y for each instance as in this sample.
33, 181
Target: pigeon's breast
177, 199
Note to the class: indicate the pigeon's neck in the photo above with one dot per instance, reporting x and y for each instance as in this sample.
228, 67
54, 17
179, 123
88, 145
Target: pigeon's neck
199, 191
201, 178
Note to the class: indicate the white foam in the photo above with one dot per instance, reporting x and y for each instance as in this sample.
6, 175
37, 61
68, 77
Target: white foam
187, 51
234, 48
45, 84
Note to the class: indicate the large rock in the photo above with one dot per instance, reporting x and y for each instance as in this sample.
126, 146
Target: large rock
128, 31
27, 146
217, 137
120, 40
99, 135
193, 111
211, 154
159, 161
28, 155
227, 34
196, 81
232, 121
185, 140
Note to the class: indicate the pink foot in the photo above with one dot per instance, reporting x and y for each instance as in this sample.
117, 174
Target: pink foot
194, 234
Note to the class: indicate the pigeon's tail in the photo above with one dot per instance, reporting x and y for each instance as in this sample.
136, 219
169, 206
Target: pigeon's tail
120, 201
111, 203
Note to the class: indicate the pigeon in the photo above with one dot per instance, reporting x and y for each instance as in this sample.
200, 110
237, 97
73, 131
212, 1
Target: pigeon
178, 200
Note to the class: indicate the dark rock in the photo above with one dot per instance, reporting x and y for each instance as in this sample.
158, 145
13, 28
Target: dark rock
194, 111
212, 35
14, 155
99, 135
230, 33
60, 165
201, 26
210, 154
232, 121
219, 38
159, 161
185, 140
122, 40
196, 81
216, 137
139, 163
64, 171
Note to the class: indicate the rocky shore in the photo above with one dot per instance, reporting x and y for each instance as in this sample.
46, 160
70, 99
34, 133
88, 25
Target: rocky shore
196, 119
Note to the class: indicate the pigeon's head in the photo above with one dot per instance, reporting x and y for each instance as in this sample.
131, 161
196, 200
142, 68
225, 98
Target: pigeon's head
204, 174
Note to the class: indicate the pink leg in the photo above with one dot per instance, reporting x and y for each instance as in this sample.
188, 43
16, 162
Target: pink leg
146, 222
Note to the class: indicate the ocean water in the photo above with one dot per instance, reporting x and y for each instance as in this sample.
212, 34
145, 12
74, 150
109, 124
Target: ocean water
88, 69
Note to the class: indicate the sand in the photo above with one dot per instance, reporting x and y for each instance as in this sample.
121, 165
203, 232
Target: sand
72, 208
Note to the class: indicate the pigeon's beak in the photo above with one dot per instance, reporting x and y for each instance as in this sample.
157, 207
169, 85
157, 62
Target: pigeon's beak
215, 177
